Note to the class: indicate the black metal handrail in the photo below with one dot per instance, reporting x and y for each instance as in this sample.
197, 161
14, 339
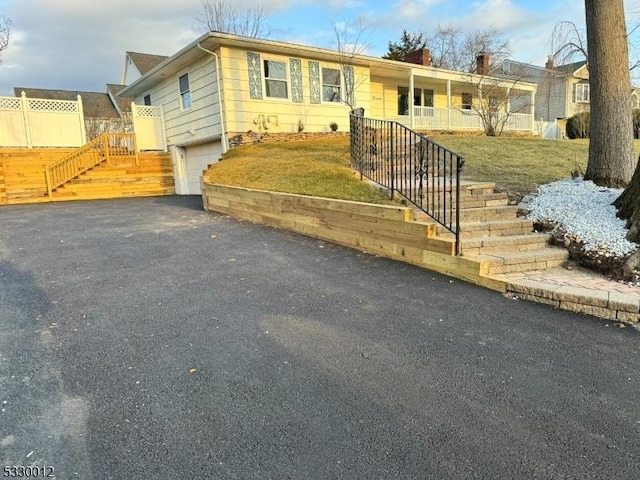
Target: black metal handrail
406, 162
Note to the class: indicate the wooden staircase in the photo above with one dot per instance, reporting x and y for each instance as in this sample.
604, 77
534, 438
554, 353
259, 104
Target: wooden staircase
105, 168
122, 178
493, 234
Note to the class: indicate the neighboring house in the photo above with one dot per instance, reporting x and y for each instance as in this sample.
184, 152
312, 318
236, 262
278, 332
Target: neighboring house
103, 112
222, 85
563, 90
137, 64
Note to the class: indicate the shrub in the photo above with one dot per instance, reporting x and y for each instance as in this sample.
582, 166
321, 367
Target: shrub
636, 123
333, 126
578, 125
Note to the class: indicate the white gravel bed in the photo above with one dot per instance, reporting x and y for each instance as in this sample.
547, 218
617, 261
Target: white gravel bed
584, 210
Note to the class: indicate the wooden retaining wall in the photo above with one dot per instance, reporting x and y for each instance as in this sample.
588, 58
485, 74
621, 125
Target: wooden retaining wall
383, 230
22, 171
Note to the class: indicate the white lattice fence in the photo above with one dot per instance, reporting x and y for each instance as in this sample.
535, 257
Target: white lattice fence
148, 124
38, 122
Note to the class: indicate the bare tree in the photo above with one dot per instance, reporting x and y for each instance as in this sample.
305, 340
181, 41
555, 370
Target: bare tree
223, 16
451, 49
568, 43
352, 39
5, 32
497, 101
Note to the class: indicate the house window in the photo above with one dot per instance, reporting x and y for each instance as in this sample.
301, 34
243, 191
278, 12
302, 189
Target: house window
467, 101
403, 101
147, 100
331, 86
422, 97
635, 100
185, 93
275, 79
582, 93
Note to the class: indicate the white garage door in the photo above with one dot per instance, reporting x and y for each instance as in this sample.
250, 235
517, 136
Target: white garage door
197, 159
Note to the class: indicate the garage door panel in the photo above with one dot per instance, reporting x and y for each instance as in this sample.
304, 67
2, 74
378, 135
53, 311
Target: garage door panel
197, 160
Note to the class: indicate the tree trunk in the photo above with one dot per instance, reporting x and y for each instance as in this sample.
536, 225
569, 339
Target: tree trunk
628, 205
611, 155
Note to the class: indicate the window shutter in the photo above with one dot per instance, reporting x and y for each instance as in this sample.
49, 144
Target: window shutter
255, 75
314, 82
575, 93
295, 71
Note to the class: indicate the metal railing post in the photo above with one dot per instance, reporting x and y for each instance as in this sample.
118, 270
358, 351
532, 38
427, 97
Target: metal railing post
392, 169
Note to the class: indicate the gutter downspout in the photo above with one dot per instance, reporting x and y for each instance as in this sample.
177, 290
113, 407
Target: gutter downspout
225, 145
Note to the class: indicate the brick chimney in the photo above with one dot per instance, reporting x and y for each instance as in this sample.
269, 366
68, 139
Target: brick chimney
419, 57
549, 64
482, 63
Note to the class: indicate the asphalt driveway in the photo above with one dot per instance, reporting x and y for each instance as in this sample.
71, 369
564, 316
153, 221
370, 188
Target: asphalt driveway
148, 339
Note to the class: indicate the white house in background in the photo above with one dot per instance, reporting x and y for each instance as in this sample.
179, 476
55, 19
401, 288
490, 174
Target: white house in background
137, 64
221, 85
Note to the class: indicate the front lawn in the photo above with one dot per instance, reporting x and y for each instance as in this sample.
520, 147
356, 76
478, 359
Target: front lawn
321, 167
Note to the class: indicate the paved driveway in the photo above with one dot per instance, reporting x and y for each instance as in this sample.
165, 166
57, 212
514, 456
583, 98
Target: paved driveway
147, 339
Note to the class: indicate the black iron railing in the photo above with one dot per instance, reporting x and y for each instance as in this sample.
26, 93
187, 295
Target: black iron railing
408, 163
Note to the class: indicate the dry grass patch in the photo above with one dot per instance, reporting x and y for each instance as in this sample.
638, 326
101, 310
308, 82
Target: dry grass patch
318, 168
321, 167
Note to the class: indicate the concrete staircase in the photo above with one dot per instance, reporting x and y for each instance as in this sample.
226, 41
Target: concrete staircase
493, 234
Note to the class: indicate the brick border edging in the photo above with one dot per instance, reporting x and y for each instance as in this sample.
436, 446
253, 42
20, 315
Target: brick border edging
615, 306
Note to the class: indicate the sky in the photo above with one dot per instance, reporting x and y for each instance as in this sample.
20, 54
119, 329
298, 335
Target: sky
81, 44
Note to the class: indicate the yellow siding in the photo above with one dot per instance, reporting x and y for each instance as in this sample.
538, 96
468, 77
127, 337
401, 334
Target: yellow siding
282, 115
377, 100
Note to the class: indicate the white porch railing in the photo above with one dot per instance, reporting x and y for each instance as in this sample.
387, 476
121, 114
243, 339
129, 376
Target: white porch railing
39, 122
431, 118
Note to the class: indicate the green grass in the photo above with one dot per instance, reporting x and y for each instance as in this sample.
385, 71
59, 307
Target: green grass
317, 167
517, 164
321, 167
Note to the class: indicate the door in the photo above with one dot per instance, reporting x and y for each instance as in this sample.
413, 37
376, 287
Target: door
197, 159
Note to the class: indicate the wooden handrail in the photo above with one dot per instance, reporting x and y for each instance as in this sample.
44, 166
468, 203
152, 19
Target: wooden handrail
98, 150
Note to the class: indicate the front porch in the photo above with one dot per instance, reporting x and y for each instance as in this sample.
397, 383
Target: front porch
432, 118
426, 98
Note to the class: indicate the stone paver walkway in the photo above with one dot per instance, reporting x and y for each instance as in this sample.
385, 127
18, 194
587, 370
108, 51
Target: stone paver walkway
576, 290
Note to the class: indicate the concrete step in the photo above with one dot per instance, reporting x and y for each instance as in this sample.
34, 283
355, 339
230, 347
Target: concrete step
549, 257
485, 214
494, 228
508, 243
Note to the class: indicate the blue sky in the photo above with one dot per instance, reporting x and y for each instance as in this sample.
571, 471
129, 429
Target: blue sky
80, 44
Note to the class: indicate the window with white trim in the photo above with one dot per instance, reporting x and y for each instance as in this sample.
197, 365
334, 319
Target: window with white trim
185, 91
275, 79
331, 85
581, 93
466, 100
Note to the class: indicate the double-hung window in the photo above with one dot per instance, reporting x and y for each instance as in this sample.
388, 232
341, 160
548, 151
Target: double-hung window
185, 92
466, 100
582, 93
275, 79
331, 85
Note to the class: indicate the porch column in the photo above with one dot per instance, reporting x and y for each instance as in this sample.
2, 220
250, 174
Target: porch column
410, 100
533, 111
449, 104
